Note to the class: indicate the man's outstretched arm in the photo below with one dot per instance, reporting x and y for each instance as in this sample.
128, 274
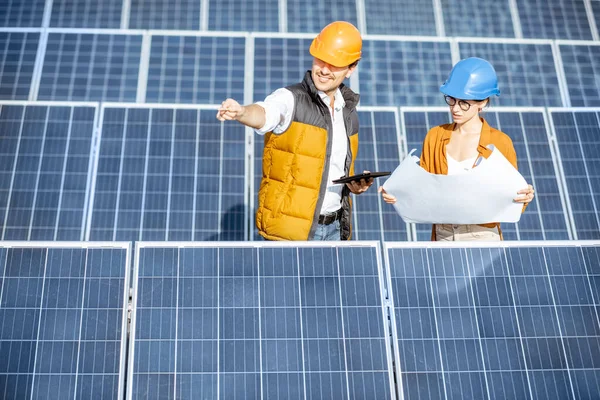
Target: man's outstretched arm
251, 115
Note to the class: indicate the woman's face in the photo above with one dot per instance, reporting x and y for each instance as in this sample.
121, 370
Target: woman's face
464, 110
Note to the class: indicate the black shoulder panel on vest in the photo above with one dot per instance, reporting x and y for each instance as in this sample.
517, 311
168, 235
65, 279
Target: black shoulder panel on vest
306, 110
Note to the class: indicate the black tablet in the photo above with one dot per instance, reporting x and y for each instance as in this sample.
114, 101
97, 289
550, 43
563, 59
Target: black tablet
357, 178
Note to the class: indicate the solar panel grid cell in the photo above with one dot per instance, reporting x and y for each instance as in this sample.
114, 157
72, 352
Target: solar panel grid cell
169, 174
495, 322
279, 63
62, 313
492, 20
596, 13
160, 14
86, 14
554, 19
189, 69
21, 13
312, 16
576, 136
252, 16
18, 53
582, 74
46, 155
276, 321
544, 218
403, 73
403, 17
90, 67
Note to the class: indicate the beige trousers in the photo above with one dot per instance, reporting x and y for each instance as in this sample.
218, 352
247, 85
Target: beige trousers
447, 232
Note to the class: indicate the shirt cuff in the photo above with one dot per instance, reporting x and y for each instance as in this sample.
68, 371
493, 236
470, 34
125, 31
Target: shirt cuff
271, 119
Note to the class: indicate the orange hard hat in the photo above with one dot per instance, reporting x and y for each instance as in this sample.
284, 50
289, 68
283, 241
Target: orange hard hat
338, 44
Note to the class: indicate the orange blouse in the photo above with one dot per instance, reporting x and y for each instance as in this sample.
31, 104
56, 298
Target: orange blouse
433, 155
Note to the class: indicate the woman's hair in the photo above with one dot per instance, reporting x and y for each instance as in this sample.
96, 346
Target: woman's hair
488, 104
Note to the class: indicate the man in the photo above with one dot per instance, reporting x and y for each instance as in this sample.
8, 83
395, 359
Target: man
311, 138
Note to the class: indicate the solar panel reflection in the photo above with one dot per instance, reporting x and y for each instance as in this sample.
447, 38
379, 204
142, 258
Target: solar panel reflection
496, 322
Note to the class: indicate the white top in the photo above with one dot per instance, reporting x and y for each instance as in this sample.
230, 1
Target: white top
459, 167
279, 107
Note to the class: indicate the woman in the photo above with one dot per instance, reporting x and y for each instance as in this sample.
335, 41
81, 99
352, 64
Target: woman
454, 148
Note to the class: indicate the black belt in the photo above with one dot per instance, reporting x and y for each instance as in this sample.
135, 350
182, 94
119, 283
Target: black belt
330, 218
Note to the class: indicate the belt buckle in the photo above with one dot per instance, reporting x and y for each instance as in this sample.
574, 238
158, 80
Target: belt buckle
331, 218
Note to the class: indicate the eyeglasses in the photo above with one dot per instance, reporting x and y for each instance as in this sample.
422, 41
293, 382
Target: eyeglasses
463, 104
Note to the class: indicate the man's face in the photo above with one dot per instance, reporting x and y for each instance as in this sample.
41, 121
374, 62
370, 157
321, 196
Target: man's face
328, 78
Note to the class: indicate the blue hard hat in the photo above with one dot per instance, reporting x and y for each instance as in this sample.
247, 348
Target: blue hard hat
471, 79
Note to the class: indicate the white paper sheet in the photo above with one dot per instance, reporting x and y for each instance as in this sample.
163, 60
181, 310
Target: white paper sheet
484, 194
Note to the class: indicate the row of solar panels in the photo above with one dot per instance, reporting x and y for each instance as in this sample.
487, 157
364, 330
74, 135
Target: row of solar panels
571, 19
138, 172
136, 66
300, 321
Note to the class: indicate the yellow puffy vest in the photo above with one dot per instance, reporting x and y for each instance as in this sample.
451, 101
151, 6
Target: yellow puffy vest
295, 166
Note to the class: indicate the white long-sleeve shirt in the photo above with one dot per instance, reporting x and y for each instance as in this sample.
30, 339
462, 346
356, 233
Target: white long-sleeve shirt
279, 108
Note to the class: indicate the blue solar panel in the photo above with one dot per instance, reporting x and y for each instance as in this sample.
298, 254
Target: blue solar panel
232, 15
279, 63
22, 13
489, 19
179, 72
169, 174
596, 11
546, 216
403, 73
526, 72
90, 67
162, 14
577, 136
86, 14
311, 16
45, 157
273, 322
581, 64
62, 313
380, 149
554, 19
502, 323
404, 17
17, 59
